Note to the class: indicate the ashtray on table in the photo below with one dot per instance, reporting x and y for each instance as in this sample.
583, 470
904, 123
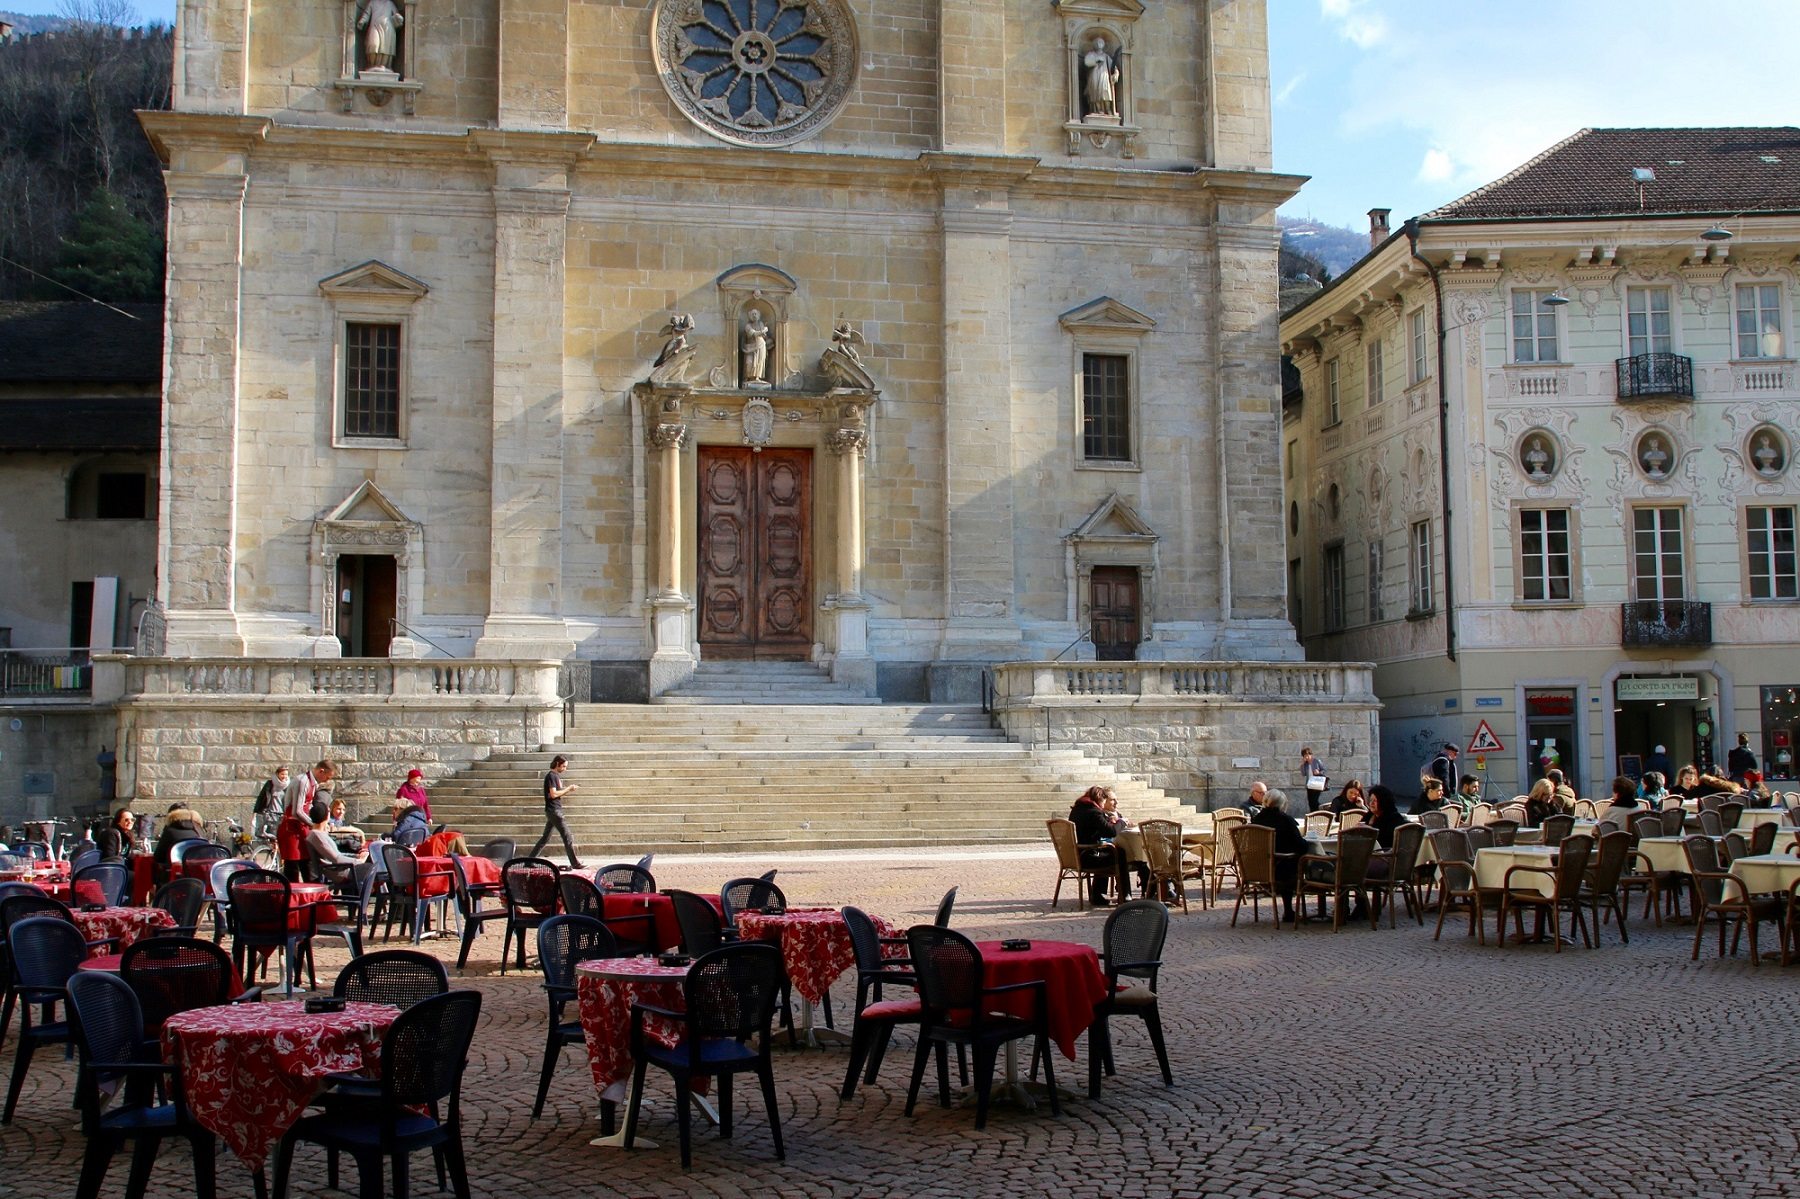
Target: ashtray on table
93, 907
324, 1004
674, 959
774, 909
1015, 944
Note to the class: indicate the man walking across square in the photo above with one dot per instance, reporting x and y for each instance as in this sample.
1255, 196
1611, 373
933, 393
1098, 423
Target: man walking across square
554, 790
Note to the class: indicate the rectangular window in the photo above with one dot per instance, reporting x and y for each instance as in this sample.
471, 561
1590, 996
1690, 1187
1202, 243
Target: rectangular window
1533, 328
1106, 407
1334, 588
1656, 554
371, 380
1649, 325
1293, 450
81, 613
1294, 595
1333, 408
121, 495
1544, 556
1376, 612
1420, 364
1769, 538
1375, 373
1759, 320
1419, 568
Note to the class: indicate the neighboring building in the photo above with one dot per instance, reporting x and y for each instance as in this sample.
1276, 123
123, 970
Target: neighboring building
1617, 430
79, 405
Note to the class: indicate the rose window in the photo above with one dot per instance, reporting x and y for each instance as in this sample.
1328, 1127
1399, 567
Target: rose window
756, 72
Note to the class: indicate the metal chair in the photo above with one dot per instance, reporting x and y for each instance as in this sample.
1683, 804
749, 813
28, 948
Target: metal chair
563, 943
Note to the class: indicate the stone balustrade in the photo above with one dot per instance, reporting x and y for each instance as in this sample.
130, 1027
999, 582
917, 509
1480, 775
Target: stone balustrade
1048, 683
120, 677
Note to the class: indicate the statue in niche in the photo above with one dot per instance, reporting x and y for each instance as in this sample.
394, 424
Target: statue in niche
753, 350
1537, 460
1653, 458
846, 337
1768, 456
380, 22
1100, 72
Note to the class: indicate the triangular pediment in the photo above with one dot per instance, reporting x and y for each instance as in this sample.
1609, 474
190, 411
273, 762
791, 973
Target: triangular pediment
1113, 520
1127, 10
1109, 314
374, 279
366, 505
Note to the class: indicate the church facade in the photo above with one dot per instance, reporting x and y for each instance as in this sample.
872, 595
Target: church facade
890, 336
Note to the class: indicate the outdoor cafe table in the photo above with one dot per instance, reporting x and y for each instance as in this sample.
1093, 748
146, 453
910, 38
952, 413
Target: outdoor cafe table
1768, 873
250, 1070
1665, 855
302, 896
1751, 817
143, 875
815, 947
605, 989
438, 875
1073, 985
129, 925
1492, 863
630, 908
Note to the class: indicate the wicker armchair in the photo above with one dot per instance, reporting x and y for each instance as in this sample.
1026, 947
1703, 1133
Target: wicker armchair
1674, 821
1717, 893
1319, 824
1515, 812
1433, 820
1584, 809
1569, 872
1556, 828
1604, 878
1068, 859
1225, 848
1457, 890
1712, 824
1481, 813
1350, 818
1349, 871
1402, 877
1505, 830
1762, 839
1253, 849
1730, 812
1162, 853
1480, 836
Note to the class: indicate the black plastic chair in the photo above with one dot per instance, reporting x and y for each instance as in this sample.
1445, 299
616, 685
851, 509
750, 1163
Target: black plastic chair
1133, 943
623, 876
579, 897
701, 929
730, 997
636, 933
182, 899
46, 952
956, 1003
422, 1061
353, 897
945, 906
876, 1017
564, 942
398, 977
469, 909
527, 903
83, 858
263, 920
170, 975
108, 1031
499, 851
748, 895
24, 904
113, 879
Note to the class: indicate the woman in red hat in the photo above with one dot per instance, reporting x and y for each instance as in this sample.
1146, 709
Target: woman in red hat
412, 791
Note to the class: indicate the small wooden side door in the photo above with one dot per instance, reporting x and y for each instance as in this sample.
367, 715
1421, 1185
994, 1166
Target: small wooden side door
1113, 612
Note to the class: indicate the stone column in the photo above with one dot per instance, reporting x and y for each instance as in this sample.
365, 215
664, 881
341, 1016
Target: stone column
852, 663
197, 506
672, 658
531, 205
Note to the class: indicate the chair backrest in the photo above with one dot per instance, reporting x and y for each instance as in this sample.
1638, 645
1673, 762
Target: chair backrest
176, 974
403, 869
644, 862
259, 900
1451, 845
1730, 812
579, 896
1224, 846
10, 889
1514, 812
113, 879
1481, 813
1478, 836
1436, 819
1505, 831
11, 861
1762, 838
525, 884
221, 872
465, 903
1709, 803
1703, 867
36, 851
1253, 848
84, 859
1735, 846
425, 1052
948, 904
45, 952
1062, 839
1133, 941
499, 850
109, 1031
1646, 824
1221, 813
731, 994
1711, 823
740, 895
701, 930
401, 977
623, 876
1318, 824
1583, 809
1674, 821
1409, 839
27, 904
178, 852
1351, 818
182, 899
1355, 847
1572, 858
1162, 847
865, 939
1611, 852
1557, 827
207, 852
949, 970
565, 941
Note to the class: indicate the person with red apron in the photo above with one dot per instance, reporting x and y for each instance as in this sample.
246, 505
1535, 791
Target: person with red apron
296, 818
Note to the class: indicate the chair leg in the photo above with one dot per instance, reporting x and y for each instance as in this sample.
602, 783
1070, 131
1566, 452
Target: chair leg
552, 1051
459, 1166
684, 1120
862, 1033
1098, 1032
21, 1064
724, 1107
984, 1081
506, 945
206, 1160
143, 1157
1153, 1021
94, 1161
1049, 1070
284, 1164
636, 1101
943, 1071
402, 1176
883, 1033
468, 942
765, 1074
920, 1057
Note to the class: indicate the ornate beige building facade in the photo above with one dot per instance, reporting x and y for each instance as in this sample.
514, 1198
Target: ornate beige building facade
888, 336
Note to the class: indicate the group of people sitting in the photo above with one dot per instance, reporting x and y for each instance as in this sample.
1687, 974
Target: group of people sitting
1098, 824
1273, 809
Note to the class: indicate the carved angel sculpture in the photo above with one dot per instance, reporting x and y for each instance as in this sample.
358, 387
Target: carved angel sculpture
846, 337
679, 325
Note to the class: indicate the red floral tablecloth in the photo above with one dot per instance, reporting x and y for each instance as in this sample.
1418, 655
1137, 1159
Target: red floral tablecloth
1074, 981
250, 1070
130, 925
814, 943
605, 990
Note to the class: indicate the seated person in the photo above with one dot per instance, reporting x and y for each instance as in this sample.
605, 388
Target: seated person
1541, 803
1687, 782
1625, 803
1094, 833
1652, 790
1565, 794
1431, 795
181, 824
1468, 793
115, 841
1351, 797
1290, 843
410, 828
325, 860
339, 822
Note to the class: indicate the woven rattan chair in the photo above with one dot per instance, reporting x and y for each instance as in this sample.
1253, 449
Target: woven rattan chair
1319, 824
1456, 887
1435, 819
1253, 851
1569, 873
1711, 823
1730, 812
1349, 869
1480, 836
1132, 956
1481, 813
1603, 882
1402, 877
1225, 848
1162, 854
1710, 803
1504, 829
1513, 811
1351, 818
1790, 929
1762, 839
1583, 809
1068, 860
1556, 828
1674, 821
1718, 894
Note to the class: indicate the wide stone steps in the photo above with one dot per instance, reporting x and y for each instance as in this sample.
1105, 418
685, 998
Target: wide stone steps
756, 683
785, 776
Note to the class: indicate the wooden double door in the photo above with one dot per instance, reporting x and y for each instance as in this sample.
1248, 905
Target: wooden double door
755, 553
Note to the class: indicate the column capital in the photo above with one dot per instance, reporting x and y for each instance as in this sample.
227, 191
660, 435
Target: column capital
668, 436
849, 441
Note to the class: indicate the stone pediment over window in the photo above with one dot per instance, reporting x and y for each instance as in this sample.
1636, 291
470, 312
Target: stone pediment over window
374, 281
366, 505
1113, 534
1106, 315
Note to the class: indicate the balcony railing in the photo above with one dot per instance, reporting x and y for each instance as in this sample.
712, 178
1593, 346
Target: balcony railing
48, 672
1666, 622
1655, 375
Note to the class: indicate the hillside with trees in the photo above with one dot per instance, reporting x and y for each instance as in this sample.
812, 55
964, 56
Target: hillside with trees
80, 186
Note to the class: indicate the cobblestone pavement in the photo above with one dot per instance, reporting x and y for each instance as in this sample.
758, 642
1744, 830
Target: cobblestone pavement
1306, 1063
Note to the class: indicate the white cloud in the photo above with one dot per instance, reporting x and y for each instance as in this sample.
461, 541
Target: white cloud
1355, 22
1289, 88
1437, 167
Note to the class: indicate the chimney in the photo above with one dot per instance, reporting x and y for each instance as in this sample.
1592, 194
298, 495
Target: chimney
1378, 226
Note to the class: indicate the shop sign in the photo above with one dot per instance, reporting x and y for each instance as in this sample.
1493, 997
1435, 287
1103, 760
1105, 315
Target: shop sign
1677, 687
1556, 703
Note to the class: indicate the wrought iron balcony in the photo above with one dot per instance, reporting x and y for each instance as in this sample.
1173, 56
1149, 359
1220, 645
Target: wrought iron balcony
1665, 622
1655, 375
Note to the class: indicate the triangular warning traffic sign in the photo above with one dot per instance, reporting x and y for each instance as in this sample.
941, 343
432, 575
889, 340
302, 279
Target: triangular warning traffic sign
1484, 741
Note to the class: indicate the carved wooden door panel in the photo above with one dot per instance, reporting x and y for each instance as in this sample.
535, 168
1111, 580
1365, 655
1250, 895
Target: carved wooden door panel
1113, 609
755, 552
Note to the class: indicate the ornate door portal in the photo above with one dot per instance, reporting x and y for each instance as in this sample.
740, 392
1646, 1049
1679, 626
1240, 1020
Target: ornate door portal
755, 553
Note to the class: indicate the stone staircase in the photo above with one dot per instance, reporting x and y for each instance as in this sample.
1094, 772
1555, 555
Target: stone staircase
717, 777
761, 683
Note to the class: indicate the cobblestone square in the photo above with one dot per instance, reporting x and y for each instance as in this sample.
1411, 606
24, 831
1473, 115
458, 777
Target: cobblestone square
1306, 1063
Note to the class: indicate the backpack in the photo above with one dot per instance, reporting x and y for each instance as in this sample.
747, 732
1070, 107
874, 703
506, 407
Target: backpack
265, 799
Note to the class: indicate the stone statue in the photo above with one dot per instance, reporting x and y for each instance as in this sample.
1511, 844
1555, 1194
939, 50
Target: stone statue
1654, 458
1768, 458
1537, 460
753, 350
380, 22
846, 337
677, 356
1101, 73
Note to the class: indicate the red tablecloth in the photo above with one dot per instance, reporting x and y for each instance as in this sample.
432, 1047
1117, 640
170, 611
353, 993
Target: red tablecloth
251, 1070
605, 990
481, 872
302, 896
814, 942
143, 879
621, 905
436, 877
128, 924
1072, 972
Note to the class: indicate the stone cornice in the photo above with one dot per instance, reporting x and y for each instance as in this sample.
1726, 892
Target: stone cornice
231, 134
953, 169
1263, 190
518, 146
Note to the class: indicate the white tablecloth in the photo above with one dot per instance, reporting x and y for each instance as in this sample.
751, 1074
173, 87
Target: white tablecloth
1755, 816
1767, 872
1492, 864
1664, 854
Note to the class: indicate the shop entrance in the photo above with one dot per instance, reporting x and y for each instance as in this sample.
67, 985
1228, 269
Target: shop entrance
1550, 736
1665, 711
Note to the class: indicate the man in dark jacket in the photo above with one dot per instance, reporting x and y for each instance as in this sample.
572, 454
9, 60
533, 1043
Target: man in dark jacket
1094, 832
1740, 761
1290, 843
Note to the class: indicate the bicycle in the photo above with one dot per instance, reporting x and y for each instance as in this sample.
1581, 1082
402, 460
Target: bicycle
259, 848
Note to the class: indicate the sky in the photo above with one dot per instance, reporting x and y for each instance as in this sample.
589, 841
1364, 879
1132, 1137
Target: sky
1408, 104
